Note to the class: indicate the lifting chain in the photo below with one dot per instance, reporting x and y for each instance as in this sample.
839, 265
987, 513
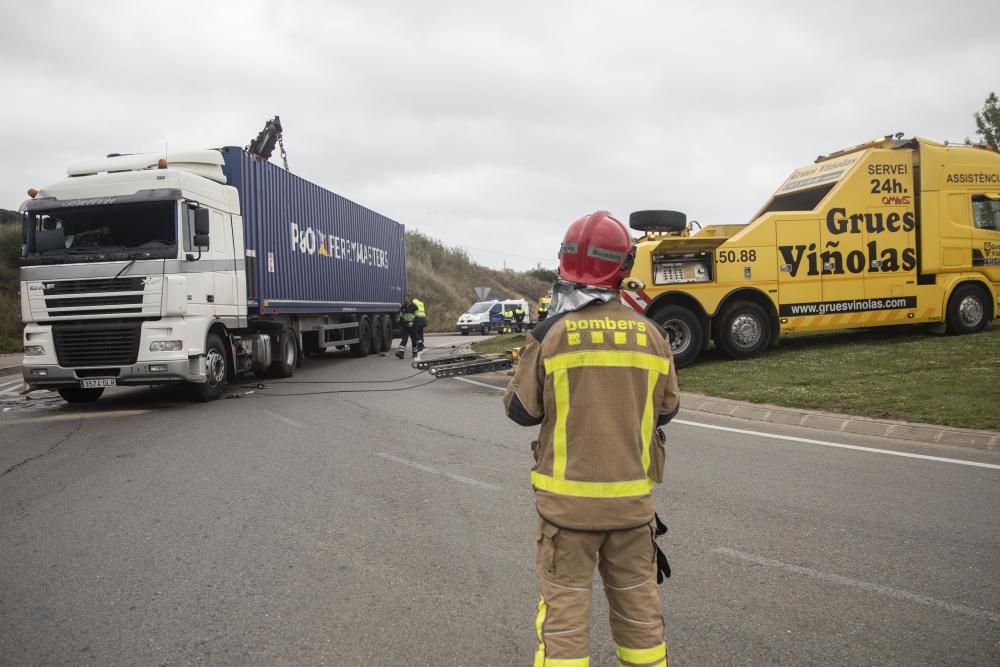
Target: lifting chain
281, 146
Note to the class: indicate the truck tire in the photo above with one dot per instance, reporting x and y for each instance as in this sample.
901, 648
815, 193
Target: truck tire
387, 331
216, 371
651, 221
968, 310
80, 395
360, 349
684, 333
377, 341
465, 332
742, 330
288, 355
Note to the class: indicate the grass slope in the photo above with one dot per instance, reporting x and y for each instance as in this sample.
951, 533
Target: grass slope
902, 373
444, 278
10, 302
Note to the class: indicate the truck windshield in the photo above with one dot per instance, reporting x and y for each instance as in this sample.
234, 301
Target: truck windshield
480, 307
102, 233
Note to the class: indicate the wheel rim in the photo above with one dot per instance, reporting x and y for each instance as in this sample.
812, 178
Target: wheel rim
215, 365
970, 310
745, 331
680, 335
289, 351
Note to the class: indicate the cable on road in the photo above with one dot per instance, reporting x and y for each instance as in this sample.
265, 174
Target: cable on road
347, 391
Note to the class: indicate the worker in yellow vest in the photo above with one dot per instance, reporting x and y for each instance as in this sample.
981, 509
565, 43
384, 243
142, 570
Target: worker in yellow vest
419, 322
597, 455
407, 315
508, 319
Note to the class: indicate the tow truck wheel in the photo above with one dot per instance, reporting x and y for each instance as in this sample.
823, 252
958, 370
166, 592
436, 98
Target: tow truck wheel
360, 349
742, 330
968, 311
215, 371
288, 356
684, 331
80, 395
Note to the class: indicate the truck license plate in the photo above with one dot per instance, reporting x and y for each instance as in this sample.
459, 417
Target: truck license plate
98, 383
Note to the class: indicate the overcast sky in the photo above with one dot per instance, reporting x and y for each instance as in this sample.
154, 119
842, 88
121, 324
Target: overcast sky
493, 125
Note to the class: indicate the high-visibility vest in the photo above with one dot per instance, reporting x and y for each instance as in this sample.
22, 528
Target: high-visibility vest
420, 307
519, 311
508, 314
597, 456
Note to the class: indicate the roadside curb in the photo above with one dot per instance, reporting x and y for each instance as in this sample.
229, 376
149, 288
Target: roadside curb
830, 421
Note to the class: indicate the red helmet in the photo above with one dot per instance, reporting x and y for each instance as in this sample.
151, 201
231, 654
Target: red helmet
596, 251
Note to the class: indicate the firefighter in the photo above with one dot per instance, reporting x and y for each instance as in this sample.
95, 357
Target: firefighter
407, 315
419, 322
519, 317
599, 379
508, 319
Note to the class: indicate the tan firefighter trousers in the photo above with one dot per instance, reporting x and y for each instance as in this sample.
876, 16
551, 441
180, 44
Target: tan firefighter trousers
564, 567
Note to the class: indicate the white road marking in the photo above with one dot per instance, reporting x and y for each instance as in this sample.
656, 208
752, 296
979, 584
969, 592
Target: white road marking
824, 443
807, 441
435, 471
283, 419
864, 585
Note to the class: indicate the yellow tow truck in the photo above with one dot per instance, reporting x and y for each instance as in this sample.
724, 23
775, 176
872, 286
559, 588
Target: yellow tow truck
893, 231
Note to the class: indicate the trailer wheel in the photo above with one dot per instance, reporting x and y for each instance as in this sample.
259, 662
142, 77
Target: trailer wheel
215, 371
288, 355
80, 395
377, 341
483, 329
742, 330
387, 332
360, 349
968, 310
684, 333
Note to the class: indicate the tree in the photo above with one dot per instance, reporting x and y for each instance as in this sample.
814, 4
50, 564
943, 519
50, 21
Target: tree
988, 121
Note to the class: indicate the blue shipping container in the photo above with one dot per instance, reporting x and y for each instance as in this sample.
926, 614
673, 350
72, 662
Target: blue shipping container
310, 250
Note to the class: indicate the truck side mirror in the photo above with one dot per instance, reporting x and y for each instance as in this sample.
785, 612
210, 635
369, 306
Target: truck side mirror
200, 240
201, 225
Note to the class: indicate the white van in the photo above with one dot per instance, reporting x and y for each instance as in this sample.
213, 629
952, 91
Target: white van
487, 316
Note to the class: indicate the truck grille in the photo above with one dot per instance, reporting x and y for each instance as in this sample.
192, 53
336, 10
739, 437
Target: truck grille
97, 343
94, 285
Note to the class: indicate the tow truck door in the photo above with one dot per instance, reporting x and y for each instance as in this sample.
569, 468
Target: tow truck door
797, 286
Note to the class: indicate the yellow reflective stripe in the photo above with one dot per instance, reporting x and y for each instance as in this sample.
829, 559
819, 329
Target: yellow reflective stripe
641, 655
568, 487
661, 663
560, 383
647, 419
539, 620
567, 662
644, 360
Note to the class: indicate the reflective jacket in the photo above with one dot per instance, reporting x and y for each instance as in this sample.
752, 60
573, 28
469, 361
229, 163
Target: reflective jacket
408, 313
598, 381
420, 307
508, 314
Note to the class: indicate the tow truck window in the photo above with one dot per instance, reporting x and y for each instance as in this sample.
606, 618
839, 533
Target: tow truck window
986, 213
803, 200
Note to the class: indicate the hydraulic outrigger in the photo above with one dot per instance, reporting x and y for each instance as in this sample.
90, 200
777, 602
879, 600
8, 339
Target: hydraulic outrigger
467, 364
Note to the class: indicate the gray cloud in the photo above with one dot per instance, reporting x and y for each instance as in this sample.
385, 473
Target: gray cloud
491, 126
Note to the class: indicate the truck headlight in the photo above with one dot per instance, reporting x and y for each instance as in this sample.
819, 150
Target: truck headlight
33, 350
166, 346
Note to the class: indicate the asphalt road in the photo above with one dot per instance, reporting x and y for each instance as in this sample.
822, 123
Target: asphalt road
396, 528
